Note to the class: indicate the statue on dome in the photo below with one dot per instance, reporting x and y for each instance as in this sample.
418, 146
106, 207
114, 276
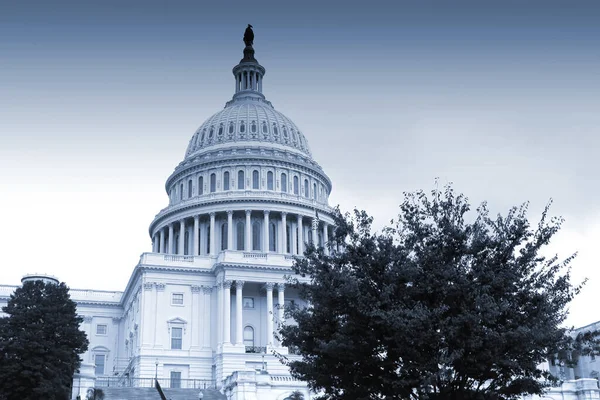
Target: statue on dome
249, 36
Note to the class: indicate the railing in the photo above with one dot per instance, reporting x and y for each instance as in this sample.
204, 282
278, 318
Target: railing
283, 378
115, 381
174, 257
255, 255
256, 349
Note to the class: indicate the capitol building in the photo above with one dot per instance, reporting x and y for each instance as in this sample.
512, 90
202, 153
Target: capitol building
202, 309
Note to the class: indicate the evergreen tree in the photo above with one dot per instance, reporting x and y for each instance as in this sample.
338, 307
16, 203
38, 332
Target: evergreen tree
433, 307
40, 343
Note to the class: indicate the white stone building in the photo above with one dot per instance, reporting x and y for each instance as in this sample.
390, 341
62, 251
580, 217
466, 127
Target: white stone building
202, 307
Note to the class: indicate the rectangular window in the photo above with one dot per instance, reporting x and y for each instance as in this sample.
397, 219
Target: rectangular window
177, 299
248, 302
175, 380
99, 362
101, 329
176, 337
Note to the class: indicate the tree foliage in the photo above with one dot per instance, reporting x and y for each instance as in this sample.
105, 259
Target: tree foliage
40, 343
433, 307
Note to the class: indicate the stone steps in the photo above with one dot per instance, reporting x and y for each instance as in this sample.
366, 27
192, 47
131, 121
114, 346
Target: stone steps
128, 393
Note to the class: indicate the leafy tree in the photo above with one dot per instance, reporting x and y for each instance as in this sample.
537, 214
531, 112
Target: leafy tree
296, 395
433, 307
40, 343
95, 394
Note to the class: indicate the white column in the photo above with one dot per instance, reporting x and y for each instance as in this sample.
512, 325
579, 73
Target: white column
248, 246
171, 234
196, 235
161, 249
325, 238
315, 225
226, 312
266, 232
284, 231
207, 290
212, 234
160, 293
149, 313
219, 313
269, 288
239, 329
182, 237
229, 230
195, 321
300, 236
280, 302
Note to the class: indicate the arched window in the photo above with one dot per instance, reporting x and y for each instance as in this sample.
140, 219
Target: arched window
256, 243
181, 192
240, 235
269, 180
272, 237
240, 180
249, 336
306, 193
220, 133
224, 237
213, 183
265, 129
203, 134
285, 134
186, 244
226, 180
242, 128
296, 189
200, 186
253, 126
189, 188
284, 183
255, 179
314, 191
275, 131
211, 133
231, 127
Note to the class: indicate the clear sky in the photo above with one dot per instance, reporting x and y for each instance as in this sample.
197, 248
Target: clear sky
98, 100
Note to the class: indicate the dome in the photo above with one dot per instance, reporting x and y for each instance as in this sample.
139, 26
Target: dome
248, 121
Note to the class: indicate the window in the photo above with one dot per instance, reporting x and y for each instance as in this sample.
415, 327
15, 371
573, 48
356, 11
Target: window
284, 183
203, 134
181, 192
314, 191
269, 180
242, 128
177, 299
240, 235
101, 329
272, 237
275, 131
189, 188
211, 132
224, 237
231, 128
226, 180
255, 179
176, 338
220, 130
248, 302
99, 361
200, 186
175, 381
253, 127
306, 194
208, 240
213, 183
296, 185
249, 336
240, 180
256, 236
264, 128
186, 243
288, 233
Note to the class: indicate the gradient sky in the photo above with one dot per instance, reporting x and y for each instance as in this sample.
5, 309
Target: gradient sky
98, 100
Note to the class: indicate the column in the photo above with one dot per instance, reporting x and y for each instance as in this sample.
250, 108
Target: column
300, 236
161, 249
266, 232
325, 238
160, 293
248, 246
280, 302
195, 321
315, 237
171, 234
149, 313
196, 235
239, 328
212, 234
219, 313
207, 290
269, 288
284, 231
154, 242
182, 237
226, 312
229, 230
